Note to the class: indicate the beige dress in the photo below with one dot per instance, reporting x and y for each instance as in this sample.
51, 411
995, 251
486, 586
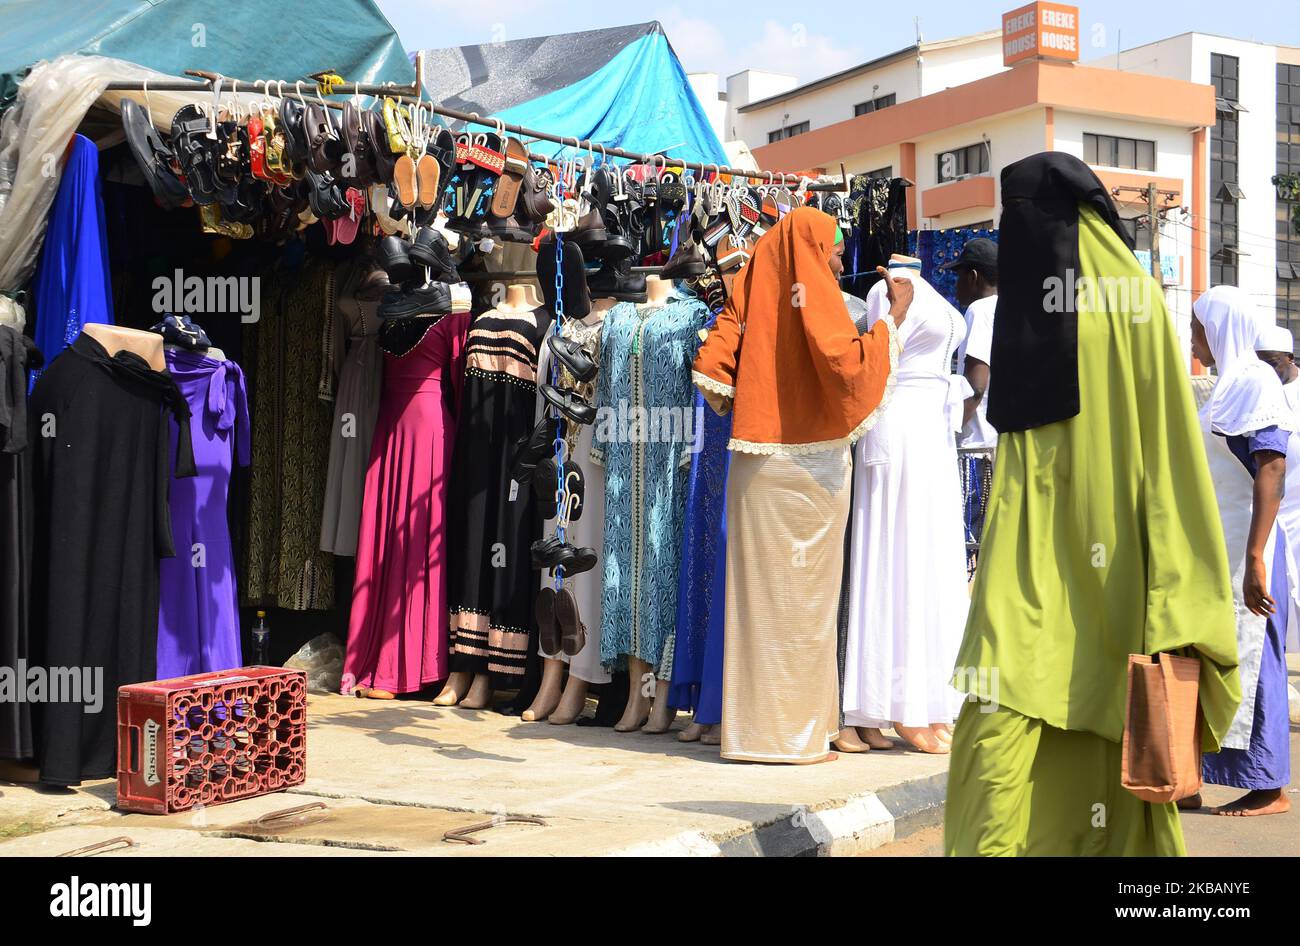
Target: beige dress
786, 516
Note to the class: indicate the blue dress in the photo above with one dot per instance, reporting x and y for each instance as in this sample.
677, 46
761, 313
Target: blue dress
701, 590
645, 428
72, 280
1266, 764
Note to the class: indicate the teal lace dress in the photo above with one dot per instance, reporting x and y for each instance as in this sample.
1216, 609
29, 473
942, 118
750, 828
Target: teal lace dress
647, 422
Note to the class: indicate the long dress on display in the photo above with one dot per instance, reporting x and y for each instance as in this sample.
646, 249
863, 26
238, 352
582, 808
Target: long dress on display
1245, 414
589, 529
644, 433
701, 592
291, 441
398, 632
353, 379
102, 523
17, 355
1102, 540
72, 284
198, 615
493, 521
805, 385
907, 597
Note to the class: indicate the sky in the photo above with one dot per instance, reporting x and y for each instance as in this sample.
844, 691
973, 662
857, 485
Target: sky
811, 40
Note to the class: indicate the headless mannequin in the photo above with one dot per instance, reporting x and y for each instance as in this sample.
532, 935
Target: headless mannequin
642, 714
474, 690
147, 345
657, 290
562, 707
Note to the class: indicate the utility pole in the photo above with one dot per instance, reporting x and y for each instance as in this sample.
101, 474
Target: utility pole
1153, 215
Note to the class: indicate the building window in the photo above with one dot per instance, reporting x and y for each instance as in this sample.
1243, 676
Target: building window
962, 162
875, 105
1288, 162
1114, 152
881, 174
1225, 248
789, 131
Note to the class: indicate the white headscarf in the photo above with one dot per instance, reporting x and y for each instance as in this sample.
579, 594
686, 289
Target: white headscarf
1248, 395
1275, 338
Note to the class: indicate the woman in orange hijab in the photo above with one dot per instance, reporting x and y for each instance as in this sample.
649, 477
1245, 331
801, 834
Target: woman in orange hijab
804, 386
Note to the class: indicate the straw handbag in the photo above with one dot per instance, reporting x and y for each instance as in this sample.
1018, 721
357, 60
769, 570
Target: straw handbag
1161, 759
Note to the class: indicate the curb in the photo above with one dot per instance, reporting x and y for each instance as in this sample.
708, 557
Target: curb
863, 823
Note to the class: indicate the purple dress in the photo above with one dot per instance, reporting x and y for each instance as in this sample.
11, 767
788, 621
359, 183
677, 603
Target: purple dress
198, 613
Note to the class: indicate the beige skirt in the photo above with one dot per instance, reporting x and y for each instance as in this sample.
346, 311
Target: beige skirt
785, 556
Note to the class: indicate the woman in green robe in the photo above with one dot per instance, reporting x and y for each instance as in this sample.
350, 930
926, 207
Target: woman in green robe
1102, 537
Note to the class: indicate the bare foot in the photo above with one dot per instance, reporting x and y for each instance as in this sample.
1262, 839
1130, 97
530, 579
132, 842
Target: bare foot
456, 687
1271, 801
661, 717
1190, 803
712, 736
544, 705
942, 732
875, 738
636, 713
849, 741
920, 737
692, 733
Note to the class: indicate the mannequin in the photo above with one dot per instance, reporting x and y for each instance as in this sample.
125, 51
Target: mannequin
474, 690
147, 345
560, 702
657, 290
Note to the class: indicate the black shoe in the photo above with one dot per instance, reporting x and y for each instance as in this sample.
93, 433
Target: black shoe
616, 280
573, 357
393, 254
577, 301
550, 552
546, 485
529, 452
573, 406
430, 249
153, 156
433, 298
583, 560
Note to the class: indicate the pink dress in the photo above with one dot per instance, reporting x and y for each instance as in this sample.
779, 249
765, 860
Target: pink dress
398, 632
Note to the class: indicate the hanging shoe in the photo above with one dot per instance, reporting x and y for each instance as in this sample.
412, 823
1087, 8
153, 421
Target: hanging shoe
577, 300
573, 357
572, 405
616, 280
429, 248
393, 254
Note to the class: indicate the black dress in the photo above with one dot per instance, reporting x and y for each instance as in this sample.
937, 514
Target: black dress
17, 354
101, 438
492, 522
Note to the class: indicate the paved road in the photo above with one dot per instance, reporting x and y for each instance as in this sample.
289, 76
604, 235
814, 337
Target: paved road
1206, 835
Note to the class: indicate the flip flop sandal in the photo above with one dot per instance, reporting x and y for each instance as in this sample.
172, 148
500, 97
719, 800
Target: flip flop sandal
153, 156
548, 630
256, 149
427, 173
514, 166
573, 633
347, 226
396, 126
406, 180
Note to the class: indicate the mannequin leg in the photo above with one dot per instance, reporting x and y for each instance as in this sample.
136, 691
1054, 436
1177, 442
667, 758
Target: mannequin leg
661, 715
849, 741
480, 693
692, 733
454, 689
548, 697
875, 738
572, 703
640, 688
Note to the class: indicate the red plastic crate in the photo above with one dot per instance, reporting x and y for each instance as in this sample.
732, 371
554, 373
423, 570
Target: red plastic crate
210, 738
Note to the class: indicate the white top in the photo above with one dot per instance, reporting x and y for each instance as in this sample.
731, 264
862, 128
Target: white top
978, 432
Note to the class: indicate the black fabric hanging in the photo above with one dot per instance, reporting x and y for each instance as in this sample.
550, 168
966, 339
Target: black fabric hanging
1035, 352
100, 480
18, 354
878, 209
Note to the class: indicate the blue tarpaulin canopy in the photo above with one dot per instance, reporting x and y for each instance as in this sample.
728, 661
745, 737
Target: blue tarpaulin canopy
286, 39
622, 87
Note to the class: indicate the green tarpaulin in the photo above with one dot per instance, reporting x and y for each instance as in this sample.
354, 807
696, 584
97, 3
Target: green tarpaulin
287, 39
